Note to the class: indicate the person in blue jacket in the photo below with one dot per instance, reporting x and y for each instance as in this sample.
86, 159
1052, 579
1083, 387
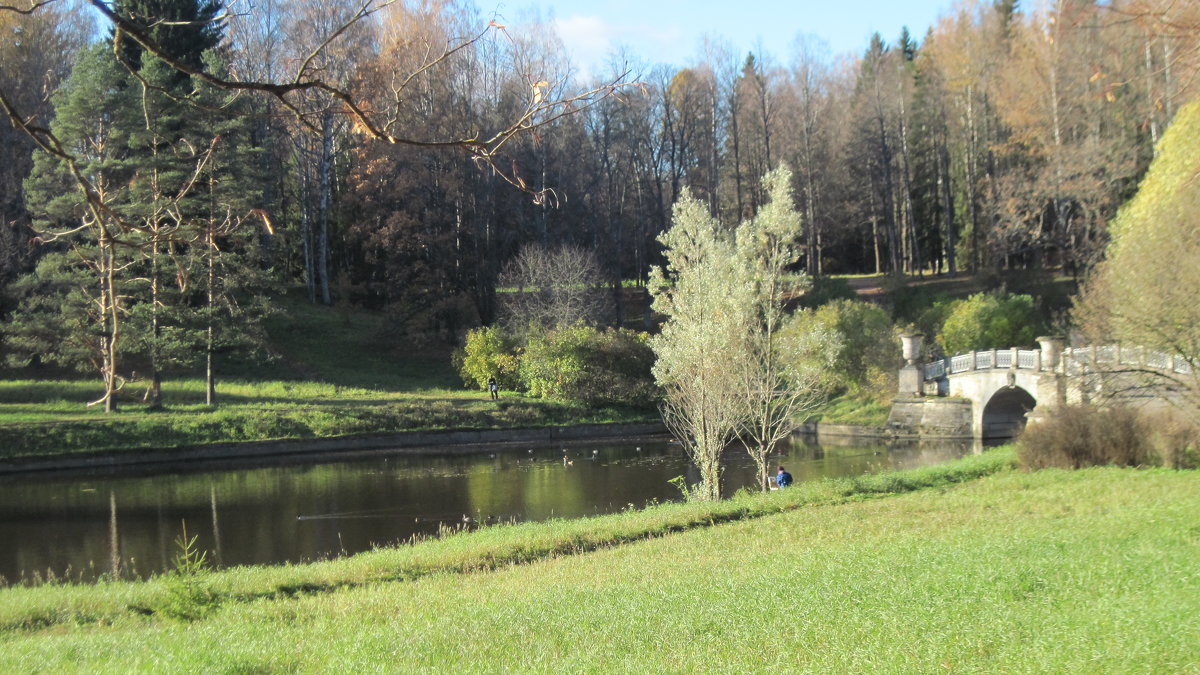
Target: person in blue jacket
783, 478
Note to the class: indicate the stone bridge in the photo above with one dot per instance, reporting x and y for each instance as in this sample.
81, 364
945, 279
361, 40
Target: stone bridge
993, 393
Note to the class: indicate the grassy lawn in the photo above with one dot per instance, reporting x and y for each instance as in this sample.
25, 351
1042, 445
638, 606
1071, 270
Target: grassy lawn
335, 374
1089, 571
847, 409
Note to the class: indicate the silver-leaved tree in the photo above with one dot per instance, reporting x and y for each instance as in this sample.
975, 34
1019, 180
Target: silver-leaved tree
727, 357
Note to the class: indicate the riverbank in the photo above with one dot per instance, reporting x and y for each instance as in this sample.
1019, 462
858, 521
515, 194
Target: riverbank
436, 442
311, 398
840, 575
48, 420
446, 441
44, 427
335, 375
24, 607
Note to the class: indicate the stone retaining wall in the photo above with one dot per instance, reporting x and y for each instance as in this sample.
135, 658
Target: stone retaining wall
930, 417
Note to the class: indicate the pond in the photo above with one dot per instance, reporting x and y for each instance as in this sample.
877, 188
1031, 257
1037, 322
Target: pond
80, 526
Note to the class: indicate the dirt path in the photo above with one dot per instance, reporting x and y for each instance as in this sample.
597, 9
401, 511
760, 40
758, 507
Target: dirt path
869, 288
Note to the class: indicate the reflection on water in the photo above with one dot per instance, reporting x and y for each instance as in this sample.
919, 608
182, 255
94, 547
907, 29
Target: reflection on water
89, 524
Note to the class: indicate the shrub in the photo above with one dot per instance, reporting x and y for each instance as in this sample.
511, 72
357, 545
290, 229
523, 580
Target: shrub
868, 350
1080, 436
488, 353
990, 320
1175, 440
586, 365
932, 319
908, 303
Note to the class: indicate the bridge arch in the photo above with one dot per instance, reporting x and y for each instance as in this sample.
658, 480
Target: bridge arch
1002, 386
1003, 416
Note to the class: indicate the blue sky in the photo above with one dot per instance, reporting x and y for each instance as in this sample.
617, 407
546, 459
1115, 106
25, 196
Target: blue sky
669, 31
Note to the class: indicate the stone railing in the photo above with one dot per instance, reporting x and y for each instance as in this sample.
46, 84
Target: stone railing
1083, 360
914, 376
1074, 361
1001, 359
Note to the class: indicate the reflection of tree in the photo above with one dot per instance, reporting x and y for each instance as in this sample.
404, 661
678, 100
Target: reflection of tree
554, 490
372, 502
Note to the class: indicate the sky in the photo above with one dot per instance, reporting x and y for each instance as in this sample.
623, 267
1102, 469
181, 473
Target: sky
670, 31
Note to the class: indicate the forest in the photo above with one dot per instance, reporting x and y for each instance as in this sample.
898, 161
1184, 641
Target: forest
172, 165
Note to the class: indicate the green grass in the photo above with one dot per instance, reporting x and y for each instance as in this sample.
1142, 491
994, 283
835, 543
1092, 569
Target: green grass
187, 426
336, 374
849, 409
1091, 571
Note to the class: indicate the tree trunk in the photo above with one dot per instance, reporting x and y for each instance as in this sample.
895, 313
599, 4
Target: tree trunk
913, 253
154, 393
325, 188
946, 194
109, 300
210, 377
306, 233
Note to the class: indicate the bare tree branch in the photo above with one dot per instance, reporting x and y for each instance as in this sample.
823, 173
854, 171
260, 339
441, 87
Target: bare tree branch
33, 7
539, 110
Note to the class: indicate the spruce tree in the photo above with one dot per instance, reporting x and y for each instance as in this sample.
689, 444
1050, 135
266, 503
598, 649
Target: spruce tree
71, 311
183, 29
170, 162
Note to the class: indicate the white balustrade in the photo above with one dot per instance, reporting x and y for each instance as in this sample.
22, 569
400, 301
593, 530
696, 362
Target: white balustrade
1004, 359
1074, 360
935, 370
984, 360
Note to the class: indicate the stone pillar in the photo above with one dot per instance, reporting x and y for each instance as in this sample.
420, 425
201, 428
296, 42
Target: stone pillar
912, 380
1052, 385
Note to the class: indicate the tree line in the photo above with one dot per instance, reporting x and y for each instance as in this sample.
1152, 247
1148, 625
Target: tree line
1005, 137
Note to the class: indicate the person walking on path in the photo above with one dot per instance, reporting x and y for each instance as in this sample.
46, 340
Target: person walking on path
493, 388
783, 478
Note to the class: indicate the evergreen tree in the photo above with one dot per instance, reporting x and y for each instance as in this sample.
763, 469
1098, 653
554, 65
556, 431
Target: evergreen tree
94, 119
183, 29
159, 262
231, 299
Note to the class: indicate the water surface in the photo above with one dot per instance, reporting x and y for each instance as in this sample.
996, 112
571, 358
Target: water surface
85, 524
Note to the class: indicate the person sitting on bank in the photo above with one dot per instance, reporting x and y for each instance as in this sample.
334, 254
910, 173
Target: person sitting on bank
783, 478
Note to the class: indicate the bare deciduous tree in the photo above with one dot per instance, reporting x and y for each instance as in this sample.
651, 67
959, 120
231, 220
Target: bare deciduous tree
309, 94
548, 288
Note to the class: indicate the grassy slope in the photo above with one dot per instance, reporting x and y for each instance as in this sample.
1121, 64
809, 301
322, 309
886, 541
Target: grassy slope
1092, 571
847, 409
334, 376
